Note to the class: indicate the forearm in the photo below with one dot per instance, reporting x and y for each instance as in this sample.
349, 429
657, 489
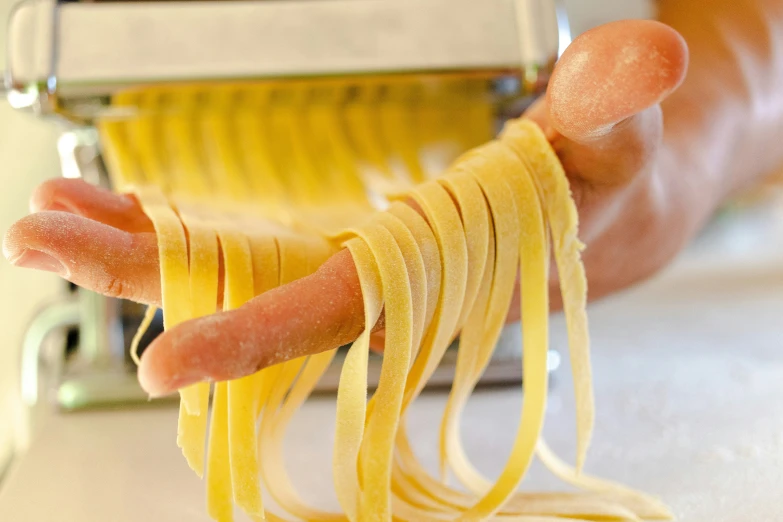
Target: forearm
723, 130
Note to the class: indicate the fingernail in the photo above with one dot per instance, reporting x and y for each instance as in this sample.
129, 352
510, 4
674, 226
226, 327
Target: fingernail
158, 390
56, 206
51, 205
151, 381
38, 260
150, 385
154, 393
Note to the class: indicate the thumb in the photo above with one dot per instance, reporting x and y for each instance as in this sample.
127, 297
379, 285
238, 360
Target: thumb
601, 110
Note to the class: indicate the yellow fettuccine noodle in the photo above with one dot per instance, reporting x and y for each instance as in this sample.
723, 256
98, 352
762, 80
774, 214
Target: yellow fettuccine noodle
268, 180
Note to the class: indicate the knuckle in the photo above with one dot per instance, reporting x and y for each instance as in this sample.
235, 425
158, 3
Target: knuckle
115, 287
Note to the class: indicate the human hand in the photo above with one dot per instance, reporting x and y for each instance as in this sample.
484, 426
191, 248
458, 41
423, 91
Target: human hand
602, 116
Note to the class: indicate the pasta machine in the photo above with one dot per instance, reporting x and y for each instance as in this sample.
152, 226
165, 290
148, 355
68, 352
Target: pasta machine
65, 60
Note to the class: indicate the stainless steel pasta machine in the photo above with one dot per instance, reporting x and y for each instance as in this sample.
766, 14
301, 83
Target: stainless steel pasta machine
65, 59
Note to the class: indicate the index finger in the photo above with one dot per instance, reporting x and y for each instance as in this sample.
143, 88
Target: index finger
310, 315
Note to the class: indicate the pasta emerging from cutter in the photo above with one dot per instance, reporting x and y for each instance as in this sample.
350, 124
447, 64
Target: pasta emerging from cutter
275, 178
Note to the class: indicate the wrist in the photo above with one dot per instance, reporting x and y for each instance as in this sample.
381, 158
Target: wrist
724, 125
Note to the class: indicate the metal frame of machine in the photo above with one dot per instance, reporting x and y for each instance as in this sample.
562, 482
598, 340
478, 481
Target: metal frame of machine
54, 64
55, 69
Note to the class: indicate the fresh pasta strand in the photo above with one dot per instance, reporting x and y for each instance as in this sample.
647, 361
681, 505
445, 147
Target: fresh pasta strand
646, 506
527, 139
203, 267
535, 311
146, 322
352, 396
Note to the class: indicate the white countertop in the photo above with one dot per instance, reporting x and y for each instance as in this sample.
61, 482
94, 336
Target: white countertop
688, 375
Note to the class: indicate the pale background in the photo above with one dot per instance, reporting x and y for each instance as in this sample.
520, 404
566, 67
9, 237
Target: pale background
28, 156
